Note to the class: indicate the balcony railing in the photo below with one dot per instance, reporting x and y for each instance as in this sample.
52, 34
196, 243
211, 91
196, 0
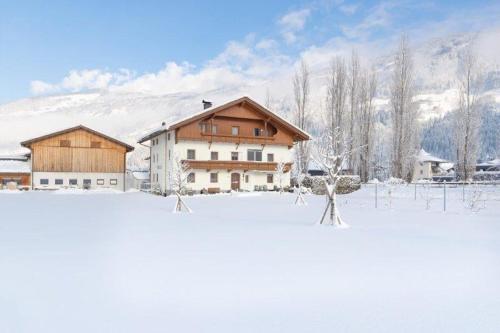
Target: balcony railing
235, 165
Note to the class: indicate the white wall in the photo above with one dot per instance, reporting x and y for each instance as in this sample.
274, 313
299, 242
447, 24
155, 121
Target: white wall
66, 176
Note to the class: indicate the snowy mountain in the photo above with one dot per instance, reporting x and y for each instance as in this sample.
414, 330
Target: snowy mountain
127, 115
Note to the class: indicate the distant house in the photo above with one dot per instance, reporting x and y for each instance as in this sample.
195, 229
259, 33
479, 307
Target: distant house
15, 169
428, 167
488, 171
234, 146
138, 179
77, 157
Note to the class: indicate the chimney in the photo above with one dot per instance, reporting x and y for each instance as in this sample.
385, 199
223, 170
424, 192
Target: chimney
206, 104
163, 123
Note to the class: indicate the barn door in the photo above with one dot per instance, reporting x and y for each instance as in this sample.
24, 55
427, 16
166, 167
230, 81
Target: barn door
235, 181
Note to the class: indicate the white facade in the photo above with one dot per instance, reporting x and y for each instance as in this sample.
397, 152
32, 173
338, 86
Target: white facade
57, 180
164, 148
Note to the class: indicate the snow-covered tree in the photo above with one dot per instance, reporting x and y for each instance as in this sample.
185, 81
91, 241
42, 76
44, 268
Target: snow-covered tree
403, 114
280, 174
301, 91
178, 181
354, 94
330, 154
299, 176
366, 123
467, 118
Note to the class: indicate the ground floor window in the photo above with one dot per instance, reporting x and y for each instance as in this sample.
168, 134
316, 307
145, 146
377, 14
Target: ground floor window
191, 178
214, 177
100, 182
87, 182
113, 181
59, 182
73, 182
269, 178
44, 181
247, 178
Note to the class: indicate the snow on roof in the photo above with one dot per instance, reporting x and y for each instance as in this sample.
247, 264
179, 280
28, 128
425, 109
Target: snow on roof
14, 166
141, 175
424, 156
494, 162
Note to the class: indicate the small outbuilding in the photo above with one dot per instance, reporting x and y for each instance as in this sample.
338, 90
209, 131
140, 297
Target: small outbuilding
15, 171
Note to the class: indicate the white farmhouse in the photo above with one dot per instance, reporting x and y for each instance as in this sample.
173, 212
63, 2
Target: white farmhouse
235, 146
428, 166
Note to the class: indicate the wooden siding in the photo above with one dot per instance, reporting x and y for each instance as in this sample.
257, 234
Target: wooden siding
24, 177
235, 165
242, 116
49, 156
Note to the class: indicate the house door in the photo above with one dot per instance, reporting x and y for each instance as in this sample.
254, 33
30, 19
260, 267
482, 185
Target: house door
235, 181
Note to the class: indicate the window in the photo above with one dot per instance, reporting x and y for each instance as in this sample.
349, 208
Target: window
254, 155
59, 182
214, 129
247, 178
169, 154
234, 156
214, 177
87, 182
191, 154
65, 143
235, 130
44, 181
113, 181
270, 157
168, 136
214, 156
100, 182
269, 178
191, 178
256, 132
73, 182
204, 127
95, 144
153, 160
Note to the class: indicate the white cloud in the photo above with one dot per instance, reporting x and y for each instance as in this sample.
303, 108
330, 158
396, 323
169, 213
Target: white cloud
379, 16
293, 22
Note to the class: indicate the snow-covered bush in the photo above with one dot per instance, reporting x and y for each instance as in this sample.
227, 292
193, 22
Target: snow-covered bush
348, 184
475, 199
395, 181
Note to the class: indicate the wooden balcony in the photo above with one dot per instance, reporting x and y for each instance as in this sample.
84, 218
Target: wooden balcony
235, 165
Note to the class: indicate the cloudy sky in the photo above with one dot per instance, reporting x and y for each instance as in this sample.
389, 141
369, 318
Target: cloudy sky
156, 47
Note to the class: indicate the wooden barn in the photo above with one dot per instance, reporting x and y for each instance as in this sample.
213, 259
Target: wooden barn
77, 157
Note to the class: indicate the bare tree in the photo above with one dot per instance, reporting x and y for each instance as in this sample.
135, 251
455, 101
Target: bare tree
467, 118
331, 160
365, 119
281, 169
269, 100
336, 101
301, 87
354, 76
403, 114
178, 180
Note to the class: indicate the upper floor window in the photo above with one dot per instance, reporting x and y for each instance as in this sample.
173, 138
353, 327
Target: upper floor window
168, 136
95, 144
257, 132
235, 130
191, 154
234, 156
214, 129
254, 155
65, 143
203, 127
270, 157
214, 156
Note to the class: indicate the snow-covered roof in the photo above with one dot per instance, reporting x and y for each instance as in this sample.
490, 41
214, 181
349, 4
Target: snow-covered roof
424, 156
494, 162
16, 157
141, 175
165, 127
14, 166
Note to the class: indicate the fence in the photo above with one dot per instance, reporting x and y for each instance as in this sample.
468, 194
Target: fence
478, 192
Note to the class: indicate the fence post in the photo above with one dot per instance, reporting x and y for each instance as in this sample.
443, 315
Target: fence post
444, 196
415, 194
376, 196
463, 191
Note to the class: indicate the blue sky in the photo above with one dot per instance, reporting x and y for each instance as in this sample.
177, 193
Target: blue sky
68, 46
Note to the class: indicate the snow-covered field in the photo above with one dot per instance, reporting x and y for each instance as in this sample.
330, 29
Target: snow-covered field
123, 262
